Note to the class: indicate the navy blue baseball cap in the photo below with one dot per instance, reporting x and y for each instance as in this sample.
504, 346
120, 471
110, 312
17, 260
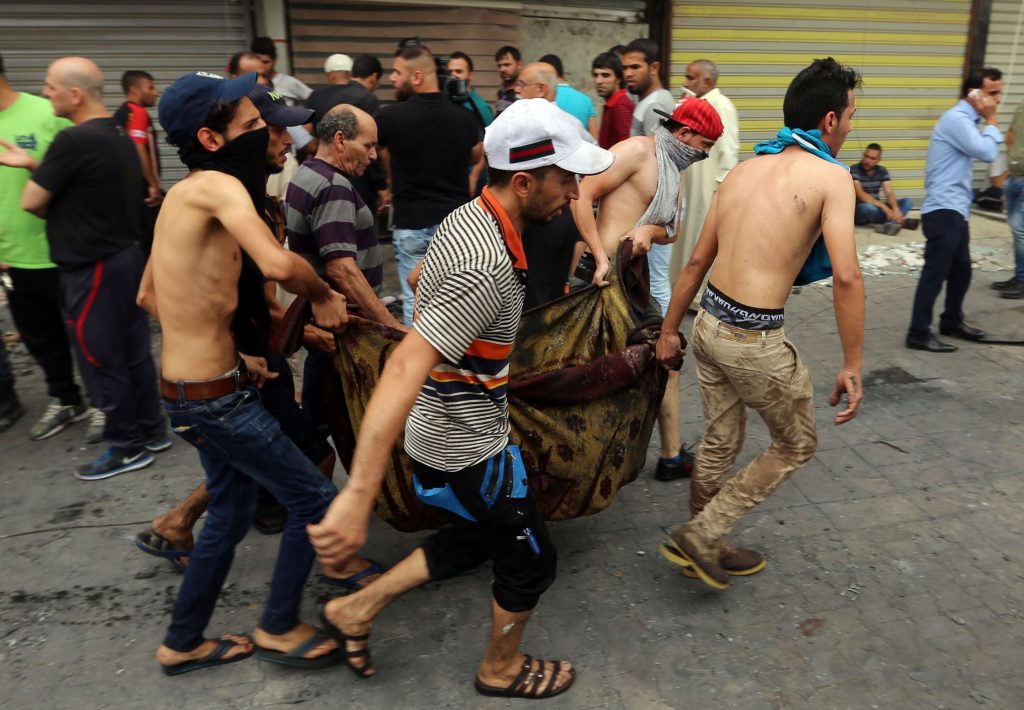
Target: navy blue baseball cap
275, 111
186, 103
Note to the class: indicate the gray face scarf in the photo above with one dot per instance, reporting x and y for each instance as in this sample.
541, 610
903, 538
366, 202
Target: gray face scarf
673, 158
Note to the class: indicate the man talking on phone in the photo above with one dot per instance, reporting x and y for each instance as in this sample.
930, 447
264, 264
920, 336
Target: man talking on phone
955, 144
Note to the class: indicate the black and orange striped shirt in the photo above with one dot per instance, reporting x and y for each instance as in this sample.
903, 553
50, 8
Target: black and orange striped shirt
468, 304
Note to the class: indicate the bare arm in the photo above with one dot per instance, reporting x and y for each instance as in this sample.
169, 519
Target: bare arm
149, 174
690, 279
890, 194
593, 127
592, 188
343, 529
865, 197
232, 207
474, 174
146, 298
35, 198
476, 154
348, 279
847, 292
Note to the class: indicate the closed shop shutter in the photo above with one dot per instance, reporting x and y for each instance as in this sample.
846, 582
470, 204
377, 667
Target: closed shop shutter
1005, 51
165, 38
320, 28
910, 53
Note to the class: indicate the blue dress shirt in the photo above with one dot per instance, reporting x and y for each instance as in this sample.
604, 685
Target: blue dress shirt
955, 144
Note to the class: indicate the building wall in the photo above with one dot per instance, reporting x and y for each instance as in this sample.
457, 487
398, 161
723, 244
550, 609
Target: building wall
577, 42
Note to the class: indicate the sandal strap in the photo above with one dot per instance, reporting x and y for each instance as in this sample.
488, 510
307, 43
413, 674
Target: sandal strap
554, 678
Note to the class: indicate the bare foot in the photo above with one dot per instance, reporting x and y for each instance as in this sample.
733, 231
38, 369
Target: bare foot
290, 640
343, 615
502, 678
169, 657
351, 566
175, 530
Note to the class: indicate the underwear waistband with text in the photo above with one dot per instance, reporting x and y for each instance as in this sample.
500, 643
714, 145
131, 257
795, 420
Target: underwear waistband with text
738, 315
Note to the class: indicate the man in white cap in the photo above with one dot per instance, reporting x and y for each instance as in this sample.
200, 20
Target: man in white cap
449, 377
340, 90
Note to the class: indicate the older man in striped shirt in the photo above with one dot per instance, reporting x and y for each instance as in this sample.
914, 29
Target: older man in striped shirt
451, 371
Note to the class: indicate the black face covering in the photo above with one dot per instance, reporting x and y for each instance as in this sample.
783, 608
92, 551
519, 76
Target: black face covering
244, 158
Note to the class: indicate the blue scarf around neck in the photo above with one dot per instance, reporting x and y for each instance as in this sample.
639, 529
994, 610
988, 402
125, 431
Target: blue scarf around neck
818, 266
808, 140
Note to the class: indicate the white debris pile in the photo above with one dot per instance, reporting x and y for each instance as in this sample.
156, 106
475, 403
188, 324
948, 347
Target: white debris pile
885, 259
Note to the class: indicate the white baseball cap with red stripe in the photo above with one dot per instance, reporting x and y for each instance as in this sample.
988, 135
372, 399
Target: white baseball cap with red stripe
534, 133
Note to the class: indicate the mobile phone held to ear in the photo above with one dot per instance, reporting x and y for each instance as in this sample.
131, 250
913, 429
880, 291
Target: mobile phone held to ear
974, 94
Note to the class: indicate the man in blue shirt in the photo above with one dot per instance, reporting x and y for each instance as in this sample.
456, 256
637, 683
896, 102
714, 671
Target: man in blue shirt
955, 143
573, 101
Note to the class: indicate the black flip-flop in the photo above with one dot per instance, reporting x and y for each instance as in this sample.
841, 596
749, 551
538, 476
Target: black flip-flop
364, 671
352, 582
216, 658
153, 544
294, 658
527, 684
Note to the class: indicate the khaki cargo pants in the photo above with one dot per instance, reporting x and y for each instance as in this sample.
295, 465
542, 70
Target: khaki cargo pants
737, 369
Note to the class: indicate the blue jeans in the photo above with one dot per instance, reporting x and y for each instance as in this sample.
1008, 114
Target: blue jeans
240, 445
947, 259
1013, 191
410, 248
866, 213
658, 259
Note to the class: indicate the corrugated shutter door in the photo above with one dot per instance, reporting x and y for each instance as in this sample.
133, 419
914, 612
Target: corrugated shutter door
320, 28
1005, 51
167, 39
910, 53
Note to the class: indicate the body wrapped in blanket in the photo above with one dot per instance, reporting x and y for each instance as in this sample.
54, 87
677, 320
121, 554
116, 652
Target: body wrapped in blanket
583, 396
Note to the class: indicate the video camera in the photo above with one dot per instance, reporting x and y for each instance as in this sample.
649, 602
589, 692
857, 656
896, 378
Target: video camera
455, 89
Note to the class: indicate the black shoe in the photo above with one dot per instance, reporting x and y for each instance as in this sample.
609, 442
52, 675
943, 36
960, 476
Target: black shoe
964, 331
672, 470
930, 343
1003, 285
1014, 291
10, 412
911, 223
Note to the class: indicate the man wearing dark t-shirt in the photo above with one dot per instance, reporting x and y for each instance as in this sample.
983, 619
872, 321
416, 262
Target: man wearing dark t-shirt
89, 186
132, 116
428, 144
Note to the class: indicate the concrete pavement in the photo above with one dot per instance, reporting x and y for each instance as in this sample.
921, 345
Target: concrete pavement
894, 573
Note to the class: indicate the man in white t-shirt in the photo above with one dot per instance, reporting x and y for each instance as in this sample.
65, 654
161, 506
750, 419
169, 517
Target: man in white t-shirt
641, 63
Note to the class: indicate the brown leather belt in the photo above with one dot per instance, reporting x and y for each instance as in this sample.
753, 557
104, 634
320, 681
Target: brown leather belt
210, 389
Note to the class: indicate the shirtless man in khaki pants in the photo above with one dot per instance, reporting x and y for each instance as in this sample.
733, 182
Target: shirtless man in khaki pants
762, 224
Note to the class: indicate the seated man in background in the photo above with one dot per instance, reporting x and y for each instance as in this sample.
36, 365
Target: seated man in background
870, 180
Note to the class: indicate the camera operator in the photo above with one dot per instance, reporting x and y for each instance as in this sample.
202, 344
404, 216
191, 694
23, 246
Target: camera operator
428, 144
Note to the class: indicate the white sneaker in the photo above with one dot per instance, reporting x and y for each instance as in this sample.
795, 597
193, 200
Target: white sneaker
97, 420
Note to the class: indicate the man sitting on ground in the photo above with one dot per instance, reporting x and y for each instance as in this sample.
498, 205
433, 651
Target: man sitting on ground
870, 181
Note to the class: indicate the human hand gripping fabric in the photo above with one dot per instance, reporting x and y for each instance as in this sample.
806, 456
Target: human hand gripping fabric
848, 381
669, 351
15, 156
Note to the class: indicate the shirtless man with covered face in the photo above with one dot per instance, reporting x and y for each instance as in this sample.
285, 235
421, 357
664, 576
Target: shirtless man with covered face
762, 225
207, 220
639, 200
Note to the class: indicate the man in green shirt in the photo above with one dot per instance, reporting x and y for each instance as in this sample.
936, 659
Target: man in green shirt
27, 123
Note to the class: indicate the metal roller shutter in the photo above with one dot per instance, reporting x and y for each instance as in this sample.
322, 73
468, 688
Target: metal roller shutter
910, 53
320, 28
1005, 52
165, 38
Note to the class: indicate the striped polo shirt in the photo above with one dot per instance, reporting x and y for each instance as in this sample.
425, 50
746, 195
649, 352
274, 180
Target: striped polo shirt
325, 218
468, 303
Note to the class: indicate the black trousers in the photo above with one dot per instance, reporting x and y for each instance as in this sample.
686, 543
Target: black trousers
947, 258
110, 335
511, 534
34, 300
